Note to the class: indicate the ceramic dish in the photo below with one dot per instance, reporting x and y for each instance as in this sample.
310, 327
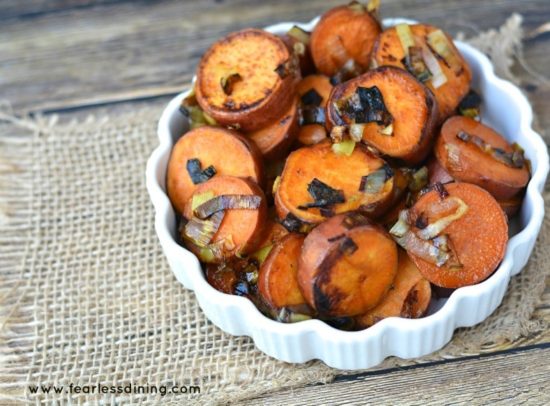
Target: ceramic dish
505, 109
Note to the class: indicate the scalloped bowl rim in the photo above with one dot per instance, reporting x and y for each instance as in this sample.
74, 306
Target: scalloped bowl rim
320, 335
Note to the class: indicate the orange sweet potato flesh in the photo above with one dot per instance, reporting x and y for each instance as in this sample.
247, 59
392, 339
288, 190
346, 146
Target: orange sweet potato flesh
408, 297
411, 104
242, 229
342, 283
230, 153
343, 34
511, 206
465, 162
388, 51
262, 95
277, 281
320, 83
310, 134
479, 237
277, 137
340, 172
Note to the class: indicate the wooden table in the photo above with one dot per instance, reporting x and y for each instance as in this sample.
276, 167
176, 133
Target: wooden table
88, 56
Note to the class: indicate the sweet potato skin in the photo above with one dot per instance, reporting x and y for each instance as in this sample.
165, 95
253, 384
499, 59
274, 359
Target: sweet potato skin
244, 227
415, 116
275, 139
305, 60
262, 95
479, 237
337, 171
408, 297
221, 280
273, 233
467, 163
229, 152
511, 206
312, 134
342, 285
277, 280
389, 52
340, 35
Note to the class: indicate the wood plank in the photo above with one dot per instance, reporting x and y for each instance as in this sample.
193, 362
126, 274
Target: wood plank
508, 378
80, 55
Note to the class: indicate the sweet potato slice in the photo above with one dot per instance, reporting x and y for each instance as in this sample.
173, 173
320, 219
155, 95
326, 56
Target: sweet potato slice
313, 90
297, 41
511, 206
344, 33
277, 281
247, 79
348, 176
411, 106
477, 239
240, 230
275, 139
319, 83
227, 152
388, 51
408, 297
457, 151
223, 279
437, 173
347, 266
311, 134
273, 233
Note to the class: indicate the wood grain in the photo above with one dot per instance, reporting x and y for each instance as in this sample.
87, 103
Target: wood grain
507, 378
68, 53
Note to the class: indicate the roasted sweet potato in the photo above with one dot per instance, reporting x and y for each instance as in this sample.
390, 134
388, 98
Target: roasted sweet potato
311, 134
314, 91
395, 113
511, 206
317, 183
242, 219
223, 279
409, 295
205, 152
347, 266
473, 152
438, 174
273, 233
277, 281
446, 73
344, 33
297, 41
247, 79
466, 229
274, 140
319, 83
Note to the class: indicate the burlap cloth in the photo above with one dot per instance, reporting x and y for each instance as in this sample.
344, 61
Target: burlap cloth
87, 296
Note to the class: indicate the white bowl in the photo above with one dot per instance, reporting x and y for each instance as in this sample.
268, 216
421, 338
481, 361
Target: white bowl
506, 109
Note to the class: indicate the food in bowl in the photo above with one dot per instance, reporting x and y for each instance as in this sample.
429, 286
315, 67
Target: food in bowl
345, 197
